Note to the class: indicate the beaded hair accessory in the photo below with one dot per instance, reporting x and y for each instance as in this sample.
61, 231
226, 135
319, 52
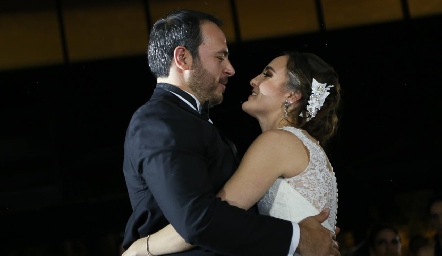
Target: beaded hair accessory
317, 98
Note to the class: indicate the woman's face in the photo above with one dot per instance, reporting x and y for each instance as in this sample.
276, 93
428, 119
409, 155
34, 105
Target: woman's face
268, 90
387, 243
436, 217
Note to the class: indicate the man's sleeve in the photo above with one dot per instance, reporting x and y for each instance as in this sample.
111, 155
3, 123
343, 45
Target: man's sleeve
295, 238
178, 179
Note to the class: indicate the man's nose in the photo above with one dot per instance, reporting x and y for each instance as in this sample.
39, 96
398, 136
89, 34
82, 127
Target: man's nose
230, 71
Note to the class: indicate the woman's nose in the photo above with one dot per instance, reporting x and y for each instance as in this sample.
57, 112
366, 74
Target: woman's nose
254, 82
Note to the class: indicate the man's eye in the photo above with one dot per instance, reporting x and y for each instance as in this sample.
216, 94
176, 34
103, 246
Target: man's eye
221, 58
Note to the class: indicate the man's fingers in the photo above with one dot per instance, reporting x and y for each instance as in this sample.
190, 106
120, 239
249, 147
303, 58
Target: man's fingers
335, 248
314, 237
337, 230
323, 215
335, 252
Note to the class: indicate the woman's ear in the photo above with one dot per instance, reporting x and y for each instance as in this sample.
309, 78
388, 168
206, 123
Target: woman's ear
182, 58
294, 97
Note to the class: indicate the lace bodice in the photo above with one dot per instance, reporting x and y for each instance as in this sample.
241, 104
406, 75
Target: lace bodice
305, 194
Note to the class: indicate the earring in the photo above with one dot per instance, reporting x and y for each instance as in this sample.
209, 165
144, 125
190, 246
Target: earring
286, 108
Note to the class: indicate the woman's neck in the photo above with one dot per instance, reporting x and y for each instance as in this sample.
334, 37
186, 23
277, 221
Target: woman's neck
273, 123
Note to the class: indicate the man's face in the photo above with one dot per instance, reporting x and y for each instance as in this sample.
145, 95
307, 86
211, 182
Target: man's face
436, 217
211, 71
387, 243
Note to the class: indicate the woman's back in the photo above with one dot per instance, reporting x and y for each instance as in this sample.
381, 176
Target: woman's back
306, 194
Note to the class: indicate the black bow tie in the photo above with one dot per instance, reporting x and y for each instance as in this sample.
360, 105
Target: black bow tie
204, 107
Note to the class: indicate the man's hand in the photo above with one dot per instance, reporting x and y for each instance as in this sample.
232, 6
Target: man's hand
316, 240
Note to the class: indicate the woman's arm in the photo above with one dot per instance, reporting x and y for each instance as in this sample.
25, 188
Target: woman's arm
273, 154
165, 241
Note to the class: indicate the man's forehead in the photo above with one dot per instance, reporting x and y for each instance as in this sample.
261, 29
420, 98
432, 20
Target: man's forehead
212, 34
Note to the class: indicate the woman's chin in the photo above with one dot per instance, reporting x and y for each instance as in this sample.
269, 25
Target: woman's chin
245, 107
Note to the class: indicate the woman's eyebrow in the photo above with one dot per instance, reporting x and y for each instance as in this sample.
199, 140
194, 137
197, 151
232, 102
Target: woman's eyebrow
271, 68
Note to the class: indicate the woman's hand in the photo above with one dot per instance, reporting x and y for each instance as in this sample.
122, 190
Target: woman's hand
164, 241
138, 248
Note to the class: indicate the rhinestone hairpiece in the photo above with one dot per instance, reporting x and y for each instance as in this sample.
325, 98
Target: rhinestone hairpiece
317, 98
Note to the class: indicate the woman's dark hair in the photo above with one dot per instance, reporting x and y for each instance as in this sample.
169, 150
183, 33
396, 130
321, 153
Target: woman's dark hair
302, 69
376, 229
178, 28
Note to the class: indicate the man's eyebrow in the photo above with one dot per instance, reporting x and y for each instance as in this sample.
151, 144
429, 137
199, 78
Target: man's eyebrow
225, 53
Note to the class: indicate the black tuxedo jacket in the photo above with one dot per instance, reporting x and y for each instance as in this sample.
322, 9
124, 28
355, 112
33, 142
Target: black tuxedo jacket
175, 162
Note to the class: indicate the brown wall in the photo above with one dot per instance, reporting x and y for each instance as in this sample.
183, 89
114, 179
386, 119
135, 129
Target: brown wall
40, 32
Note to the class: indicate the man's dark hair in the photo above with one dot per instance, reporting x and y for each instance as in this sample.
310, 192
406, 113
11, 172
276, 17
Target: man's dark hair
178, 28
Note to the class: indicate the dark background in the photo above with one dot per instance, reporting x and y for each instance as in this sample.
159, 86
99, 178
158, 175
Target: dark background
62, 189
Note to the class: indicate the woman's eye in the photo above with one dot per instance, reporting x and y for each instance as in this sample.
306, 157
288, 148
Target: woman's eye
266, 74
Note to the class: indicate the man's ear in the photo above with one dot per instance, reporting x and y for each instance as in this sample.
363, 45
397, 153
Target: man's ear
182, 58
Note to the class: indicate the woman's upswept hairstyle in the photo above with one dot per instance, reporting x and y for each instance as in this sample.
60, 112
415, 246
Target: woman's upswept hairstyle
302, 68
178, 28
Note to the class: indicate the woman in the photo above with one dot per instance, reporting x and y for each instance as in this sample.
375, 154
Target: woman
434, 248
384, 240
285, 170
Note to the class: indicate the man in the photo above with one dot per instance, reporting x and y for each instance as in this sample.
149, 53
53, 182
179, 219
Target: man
175, 159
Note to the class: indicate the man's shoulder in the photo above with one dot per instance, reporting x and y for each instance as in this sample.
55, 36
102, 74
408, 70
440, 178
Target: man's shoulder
164, 116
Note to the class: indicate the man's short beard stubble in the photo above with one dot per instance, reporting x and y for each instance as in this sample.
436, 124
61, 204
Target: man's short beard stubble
204, 85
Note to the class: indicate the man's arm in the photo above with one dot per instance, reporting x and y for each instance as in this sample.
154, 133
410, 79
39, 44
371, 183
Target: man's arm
178, 177
188, 201
310, 228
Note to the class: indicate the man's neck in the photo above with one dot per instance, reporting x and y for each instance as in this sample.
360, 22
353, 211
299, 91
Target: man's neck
176, 82
197, 101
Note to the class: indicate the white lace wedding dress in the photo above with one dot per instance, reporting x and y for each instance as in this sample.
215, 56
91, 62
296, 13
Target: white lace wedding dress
305, 194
